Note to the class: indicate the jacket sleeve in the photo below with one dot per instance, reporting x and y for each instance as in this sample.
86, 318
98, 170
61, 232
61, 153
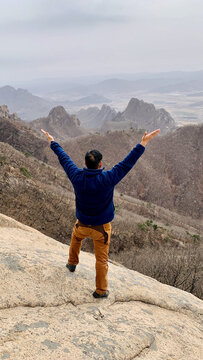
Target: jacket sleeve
118, 172
68, 165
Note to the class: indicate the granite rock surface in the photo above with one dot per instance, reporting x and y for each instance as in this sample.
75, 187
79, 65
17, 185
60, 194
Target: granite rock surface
46, 312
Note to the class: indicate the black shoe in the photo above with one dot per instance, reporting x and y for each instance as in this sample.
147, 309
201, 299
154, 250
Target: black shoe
71, 267
98, 296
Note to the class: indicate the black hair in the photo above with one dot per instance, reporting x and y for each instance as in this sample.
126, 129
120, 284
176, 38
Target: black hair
93, 158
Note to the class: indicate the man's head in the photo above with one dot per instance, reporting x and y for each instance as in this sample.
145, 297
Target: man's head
93, 159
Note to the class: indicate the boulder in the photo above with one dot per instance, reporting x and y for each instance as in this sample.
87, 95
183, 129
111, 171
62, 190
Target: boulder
47, 312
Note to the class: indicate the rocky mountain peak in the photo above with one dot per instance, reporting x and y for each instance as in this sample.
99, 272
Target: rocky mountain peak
4, 113
135, 104
142, 115
22, 91
58, 115
7, 89
106, 108
93, 117
59, 123
58, 112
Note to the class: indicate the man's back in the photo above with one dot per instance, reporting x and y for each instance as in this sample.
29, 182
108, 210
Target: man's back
94, 187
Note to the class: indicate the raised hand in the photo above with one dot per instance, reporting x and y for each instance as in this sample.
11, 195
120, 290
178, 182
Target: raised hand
49, 137
147, 137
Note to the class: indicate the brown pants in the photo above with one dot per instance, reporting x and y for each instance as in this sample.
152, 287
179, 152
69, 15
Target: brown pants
100, 235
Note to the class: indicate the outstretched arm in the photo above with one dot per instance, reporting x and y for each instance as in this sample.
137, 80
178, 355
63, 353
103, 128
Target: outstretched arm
118, 172
68, 165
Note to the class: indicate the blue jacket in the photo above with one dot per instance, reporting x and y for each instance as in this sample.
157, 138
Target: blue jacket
94, 188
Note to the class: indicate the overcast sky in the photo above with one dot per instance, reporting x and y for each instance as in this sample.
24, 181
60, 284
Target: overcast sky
62, 38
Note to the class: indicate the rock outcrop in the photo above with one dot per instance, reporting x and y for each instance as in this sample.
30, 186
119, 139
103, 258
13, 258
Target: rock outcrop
93, 117
17, 133
59, 124
141, 115
49, 313
4, 113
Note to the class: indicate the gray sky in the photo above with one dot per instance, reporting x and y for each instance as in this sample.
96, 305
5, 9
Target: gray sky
62, 38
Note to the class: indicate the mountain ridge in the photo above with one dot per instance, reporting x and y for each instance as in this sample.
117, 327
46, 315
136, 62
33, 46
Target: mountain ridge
22, 102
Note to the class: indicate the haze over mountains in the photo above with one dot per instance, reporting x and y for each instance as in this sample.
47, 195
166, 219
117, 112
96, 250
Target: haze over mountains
138, 115
160, 85
149, 82
29, 106
26, 105
179, 93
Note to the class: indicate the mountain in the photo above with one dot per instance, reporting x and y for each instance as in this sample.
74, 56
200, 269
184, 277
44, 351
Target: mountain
141, 115
61, 89
91, 99
93, 117
183, 86
16, 133
87, 85
114, 86
59, 124
158, 82
122, 86
26, 105
49, 313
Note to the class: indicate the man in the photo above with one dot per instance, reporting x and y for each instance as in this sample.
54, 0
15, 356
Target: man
94, 189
